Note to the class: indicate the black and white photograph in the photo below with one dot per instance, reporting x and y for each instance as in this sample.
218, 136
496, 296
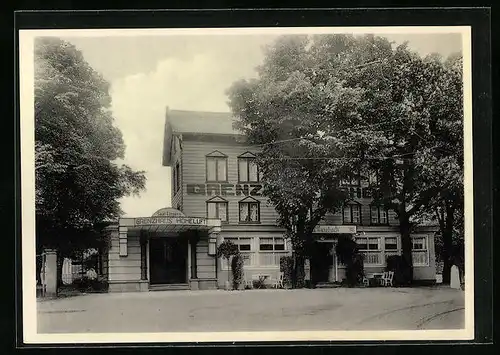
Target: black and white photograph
239, 184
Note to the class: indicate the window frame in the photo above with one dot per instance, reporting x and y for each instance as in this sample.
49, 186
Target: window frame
379, 249
350, 204
216, 155
273, 244
249, 201
426, 250
247, 157
177, 177
218, 200
379, 210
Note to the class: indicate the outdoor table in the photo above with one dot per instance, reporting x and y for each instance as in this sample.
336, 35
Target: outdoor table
377, 277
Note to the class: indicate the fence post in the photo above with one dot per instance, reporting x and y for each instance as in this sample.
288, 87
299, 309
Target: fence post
50, 272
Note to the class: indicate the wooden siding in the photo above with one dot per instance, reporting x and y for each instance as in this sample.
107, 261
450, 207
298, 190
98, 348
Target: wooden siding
193, 163
205, 262
194, 172
176, 157
124, 268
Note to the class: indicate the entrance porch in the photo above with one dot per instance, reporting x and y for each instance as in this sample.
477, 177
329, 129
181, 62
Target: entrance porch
165, 251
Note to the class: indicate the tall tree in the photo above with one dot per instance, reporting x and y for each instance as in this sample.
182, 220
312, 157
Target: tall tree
443, 167
78, 179
286, 112
358, 100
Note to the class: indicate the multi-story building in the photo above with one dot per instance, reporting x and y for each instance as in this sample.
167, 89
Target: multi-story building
217, 195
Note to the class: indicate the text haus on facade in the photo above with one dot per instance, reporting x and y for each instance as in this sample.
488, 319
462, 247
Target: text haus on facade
217, 195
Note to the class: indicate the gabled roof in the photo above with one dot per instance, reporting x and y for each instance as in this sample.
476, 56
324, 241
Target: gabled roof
179, 122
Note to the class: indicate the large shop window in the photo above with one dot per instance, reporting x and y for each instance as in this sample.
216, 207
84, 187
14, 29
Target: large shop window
245, 247
420, 251
371, 248
249, 210
216, 167
378, 215
271, 250
217, 207
352, 213
247, 168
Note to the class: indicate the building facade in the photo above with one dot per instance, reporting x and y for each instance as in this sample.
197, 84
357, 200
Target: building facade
217, 195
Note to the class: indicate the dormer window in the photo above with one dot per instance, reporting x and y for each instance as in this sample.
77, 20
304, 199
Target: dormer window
249, 210
378, 215
216, 167
352, 213
247, 168
217, 207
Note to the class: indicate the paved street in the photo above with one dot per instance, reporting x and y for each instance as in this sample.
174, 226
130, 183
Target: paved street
255, 310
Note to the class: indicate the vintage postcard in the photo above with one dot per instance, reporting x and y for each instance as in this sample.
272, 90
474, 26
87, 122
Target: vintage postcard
246, 184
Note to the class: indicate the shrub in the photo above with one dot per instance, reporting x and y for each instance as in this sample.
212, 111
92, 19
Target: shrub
86, 284
396, 264
258, 284
348, 253
286, 267
237, 270
226, 250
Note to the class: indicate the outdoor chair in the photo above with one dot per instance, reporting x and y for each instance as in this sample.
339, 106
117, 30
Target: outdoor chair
279, 281
387, 278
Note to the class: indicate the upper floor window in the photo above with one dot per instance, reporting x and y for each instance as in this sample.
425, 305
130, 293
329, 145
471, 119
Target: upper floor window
217, 207
353, 180
352, 213
216, 167
177, 177
378, 215
247, 168
249, 210
373, 178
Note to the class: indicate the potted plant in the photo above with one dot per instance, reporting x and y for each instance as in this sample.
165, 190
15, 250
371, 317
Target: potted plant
226, 250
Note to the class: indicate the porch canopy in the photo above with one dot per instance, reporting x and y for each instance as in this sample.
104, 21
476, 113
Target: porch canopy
168, 222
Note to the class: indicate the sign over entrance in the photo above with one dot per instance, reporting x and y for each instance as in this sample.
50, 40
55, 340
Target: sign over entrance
187, 221
335, 229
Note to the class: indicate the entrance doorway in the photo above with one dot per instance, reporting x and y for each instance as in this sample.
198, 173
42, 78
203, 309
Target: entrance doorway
168, 260
321, 262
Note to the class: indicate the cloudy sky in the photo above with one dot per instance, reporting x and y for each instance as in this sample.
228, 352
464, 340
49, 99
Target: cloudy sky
186, 73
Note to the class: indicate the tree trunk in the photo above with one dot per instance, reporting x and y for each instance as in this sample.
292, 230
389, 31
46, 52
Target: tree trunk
298, 271
406, 247
60, 261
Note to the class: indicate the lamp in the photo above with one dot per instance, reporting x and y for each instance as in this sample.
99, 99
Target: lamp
212, 242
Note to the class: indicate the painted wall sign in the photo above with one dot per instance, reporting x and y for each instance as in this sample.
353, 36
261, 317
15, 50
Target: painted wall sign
212, 189
191, 221
335, 229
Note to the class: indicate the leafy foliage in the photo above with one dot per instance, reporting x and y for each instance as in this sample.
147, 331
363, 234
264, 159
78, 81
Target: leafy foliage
237, 270
78, 182
286, 267
339, 104
226, 250
348, 253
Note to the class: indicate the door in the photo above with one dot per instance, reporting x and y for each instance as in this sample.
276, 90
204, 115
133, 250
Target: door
321, 262
168, 260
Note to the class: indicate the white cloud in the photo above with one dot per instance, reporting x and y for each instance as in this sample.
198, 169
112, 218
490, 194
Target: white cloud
139, 104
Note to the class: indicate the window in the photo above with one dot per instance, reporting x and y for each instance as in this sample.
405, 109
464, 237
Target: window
217, 207
271, 249
177, 177
247, 168
373, 178
370, 248
216, 167
352, 213
378, 215
245, 247
249, 210
353, 180
420, 251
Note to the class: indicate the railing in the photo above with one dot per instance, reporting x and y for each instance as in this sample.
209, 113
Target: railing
373, 258
420, 258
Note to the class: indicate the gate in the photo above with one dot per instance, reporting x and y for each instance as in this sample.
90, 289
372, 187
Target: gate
41, 266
